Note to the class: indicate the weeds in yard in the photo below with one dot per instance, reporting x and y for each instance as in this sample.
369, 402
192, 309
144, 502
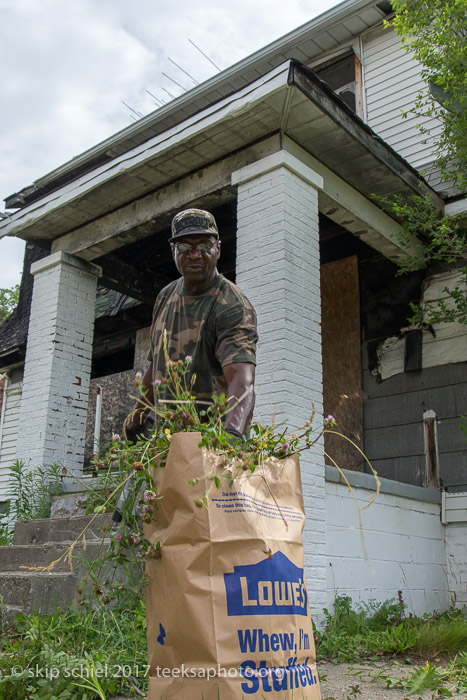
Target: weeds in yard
372, 630
447, 682
74, 655
30, 496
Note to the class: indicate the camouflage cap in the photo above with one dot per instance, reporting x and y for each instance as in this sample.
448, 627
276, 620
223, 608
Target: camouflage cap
193, 221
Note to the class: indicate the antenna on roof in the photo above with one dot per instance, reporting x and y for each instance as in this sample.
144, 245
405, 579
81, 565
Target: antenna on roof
158, 99
138, 114
174, 81
169, 93
205, 56
184, 71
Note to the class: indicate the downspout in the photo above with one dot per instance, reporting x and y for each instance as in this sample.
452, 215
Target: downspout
97, 421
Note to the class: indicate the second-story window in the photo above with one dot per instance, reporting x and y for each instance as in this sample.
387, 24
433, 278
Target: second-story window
344, 76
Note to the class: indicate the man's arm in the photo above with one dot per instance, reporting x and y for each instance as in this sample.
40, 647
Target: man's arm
240, 377
140, 410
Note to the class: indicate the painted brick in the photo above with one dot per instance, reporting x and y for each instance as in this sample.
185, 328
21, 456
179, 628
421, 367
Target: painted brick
53, 406
278, 214
404, 541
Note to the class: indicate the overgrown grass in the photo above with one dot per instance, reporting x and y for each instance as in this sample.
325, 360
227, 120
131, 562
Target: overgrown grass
30, 495
372, 631
50, 657
68, 644
352, 632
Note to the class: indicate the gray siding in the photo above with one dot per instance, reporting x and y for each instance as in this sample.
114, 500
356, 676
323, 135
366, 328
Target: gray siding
391, 84
393, 423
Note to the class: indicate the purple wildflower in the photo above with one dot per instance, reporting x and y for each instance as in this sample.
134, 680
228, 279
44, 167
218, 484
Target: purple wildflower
119, 536
116, 437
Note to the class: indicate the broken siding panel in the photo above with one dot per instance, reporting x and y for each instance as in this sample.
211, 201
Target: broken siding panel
389, 71
449, 342
9, 434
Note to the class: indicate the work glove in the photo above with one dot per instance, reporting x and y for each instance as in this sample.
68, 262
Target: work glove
134, 434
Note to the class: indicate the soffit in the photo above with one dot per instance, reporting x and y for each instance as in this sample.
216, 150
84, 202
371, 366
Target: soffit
291, 100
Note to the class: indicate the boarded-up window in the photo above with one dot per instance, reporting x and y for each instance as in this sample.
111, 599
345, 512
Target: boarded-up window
342, 370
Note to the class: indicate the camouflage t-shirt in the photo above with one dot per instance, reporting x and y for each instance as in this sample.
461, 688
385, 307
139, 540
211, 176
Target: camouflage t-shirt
215, 326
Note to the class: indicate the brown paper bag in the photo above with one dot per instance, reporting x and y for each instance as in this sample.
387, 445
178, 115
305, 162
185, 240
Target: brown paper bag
227, 606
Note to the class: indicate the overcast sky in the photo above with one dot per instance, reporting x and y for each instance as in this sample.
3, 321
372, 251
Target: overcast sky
66, 67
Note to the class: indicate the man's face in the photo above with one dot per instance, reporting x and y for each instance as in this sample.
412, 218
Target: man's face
198, 267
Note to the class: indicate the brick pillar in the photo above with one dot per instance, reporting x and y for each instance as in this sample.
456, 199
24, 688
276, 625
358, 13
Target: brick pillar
53, 410
278, 269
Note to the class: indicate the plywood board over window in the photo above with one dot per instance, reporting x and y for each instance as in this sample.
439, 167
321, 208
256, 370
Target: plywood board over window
342, 368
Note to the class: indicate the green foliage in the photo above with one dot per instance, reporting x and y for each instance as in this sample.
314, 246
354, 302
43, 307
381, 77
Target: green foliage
443, 242
448, 682
127, 468
88, 653
8, 301
371, 630
463, 425
436, 33
31, 490
30, 495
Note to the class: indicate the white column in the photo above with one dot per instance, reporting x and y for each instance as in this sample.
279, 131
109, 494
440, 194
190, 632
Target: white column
53, 411
278, 269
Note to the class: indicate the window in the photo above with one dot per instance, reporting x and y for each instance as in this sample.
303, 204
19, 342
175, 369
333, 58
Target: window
344, 76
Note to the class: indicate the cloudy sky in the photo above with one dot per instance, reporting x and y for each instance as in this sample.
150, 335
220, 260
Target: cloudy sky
67, 67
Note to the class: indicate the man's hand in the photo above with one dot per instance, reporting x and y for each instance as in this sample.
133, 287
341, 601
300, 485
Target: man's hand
240, 377
133, 434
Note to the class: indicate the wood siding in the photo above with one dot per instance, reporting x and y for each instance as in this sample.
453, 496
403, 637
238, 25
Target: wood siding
391, 83
8, 433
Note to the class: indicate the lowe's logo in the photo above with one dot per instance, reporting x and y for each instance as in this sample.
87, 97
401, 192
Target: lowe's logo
271, 587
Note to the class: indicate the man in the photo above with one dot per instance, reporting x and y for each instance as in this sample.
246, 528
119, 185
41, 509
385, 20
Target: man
206, 317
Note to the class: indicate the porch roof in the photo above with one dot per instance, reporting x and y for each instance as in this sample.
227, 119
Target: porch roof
290, 101
319, 37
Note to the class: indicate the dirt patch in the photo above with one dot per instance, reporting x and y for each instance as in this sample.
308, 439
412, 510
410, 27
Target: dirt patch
357, 682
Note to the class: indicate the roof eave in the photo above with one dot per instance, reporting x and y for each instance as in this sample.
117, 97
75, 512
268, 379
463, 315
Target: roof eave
106, 150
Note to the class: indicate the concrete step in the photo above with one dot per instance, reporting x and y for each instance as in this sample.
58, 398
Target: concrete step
60, 529
38, 592
14, 557
9, 612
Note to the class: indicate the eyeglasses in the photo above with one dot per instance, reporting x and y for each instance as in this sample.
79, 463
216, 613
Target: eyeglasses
185, 248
